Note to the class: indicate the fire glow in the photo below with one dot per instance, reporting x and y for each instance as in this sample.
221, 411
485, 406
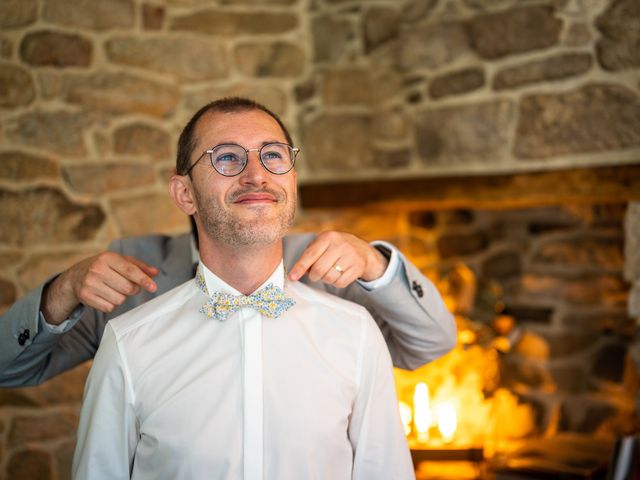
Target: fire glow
455, 402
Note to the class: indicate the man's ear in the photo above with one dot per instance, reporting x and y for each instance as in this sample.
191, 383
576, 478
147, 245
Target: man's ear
180, 190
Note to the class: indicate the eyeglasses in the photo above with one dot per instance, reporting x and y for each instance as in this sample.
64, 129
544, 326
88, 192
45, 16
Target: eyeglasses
230, 159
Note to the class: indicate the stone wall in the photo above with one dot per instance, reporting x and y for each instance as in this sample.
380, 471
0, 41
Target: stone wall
93, 95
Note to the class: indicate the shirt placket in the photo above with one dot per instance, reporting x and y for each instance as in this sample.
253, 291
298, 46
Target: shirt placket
251, 324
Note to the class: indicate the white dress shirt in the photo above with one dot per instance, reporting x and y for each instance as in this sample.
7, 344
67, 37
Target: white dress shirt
308, 395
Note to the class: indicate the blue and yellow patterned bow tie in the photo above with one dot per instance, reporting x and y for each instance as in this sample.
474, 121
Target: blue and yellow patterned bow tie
270, 301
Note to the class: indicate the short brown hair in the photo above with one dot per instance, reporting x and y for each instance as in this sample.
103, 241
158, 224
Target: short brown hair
186, 142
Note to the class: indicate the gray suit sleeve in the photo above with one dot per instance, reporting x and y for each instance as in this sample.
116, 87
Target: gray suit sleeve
410, 312
30, 353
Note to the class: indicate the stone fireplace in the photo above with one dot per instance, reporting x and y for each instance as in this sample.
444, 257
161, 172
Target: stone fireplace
495, 142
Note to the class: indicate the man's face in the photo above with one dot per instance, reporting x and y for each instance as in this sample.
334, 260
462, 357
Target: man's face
255, 207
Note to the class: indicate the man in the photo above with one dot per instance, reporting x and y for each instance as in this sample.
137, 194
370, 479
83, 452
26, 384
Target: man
59, 325
239, 373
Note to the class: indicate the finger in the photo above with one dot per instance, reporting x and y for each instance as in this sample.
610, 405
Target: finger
324, 266
308, 258
150, 270
332, 275
127, 268
96, 301
108, 285
346, 279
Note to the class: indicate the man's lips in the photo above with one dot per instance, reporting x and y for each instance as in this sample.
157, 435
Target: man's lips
249, 198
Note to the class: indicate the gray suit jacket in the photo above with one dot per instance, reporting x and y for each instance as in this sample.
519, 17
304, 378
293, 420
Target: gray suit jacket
410, 312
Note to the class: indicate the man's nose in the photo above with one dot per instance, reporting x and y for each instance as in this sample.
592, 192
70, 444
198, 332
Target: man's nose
254, 172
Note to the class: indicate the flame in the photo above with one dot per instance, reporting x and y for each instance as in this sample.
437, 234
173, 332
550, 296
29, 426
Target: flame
421, 411
456, 401
447, 419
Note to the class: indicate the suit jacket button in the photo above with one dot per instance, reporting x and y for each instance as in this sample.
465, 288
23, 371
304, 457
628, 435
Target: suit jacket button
418, 289
21, 339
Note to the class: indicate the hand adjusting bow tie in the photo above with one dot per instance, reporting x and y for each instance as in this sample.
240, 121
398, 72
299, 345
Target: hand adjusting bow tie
270, 301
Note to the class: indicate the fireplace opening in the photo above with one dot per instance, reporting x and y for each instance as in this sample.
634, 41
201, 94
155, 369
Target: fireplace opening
542, 381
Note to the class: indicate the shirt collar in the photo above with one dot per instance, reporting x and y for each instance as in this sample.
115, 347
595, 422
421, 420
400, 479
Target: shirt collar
216, 284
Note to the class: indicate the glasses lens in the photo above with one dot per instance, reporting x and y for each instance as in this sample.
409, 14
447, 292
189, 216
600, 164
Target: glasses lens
228, 160
277, 157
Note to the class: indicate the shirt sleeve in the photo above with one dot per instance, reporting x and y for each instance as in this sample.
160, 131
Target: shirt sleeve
107, 431
376, 434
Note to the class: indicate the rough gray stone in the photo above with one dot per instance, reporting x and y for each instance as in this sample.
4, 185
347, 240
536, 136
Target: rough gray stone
56, 49
464, 134
570, 379
16, 87
594, 118
40, 267
256, 2
44, 215
142, 139
19, 166
30, 464
153, 16
391, 125
347, 86
186, 58
56, 131
554, 68
64, 459
571, 343
6, 47
416, 10
634, 300
518, 30
7, 293
501, 264
381, 24
619, 46
102, 15
581, 251
460, 244
632, 242
589, 289
331, 37
134, 217
609, 362
121, 93
391, 159
277, 59
215, 22
105, 178
431, 46
273, 97
578, 35
40, 428
338, 150
18, 13
456, 83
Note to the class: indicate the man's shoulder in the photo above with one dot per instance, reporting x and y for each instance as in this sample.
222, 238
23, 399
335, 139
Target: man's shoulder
321, 298
163, 306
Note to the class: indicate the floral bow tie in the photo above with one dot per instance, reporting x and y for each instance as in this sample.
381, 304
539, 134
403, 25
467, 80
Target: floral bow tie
270, 301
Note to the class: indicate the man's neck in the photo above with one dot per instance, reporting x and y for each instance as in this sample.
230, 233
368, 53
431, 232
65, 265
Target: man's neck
244, 268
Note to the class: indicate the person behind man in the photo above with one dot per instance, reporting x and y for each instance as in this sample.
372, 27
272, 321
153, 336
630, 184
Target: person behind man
59, 324
240, 373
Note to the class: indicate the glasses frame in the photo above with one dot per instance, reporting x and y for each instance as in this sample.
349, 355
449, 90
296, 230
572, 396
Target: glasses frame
209, 151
